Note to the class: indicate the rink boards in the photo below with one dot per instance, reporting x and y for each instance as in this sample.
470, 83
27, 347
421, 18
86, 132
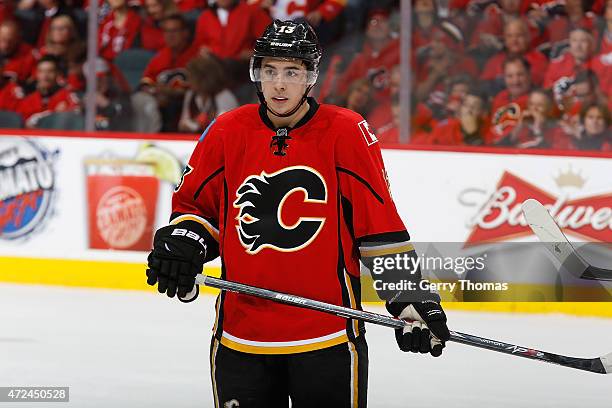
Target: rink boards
80, 209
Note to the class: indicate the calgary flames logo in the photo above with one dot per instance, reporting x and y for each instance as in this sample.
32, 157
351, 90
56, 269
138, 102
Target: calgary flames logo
262, 219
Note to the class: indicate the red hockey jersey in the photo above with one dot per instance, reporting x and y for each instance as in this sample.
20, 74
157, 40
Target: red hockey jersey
296, 223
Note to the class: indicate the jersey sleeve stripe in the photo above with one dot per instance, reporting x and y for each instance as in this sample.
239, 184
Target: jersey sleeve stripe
199, 190
389, 249
214, 232
362, 181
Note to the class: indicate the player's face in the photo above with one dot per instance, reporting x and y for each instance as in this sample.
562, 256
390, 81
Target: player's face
516, 78
516, 37
580, 44
283, 83
594, 122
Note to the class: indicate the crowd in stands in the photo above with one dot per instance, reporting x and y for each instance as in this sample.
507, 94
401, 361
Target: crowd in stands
512, 73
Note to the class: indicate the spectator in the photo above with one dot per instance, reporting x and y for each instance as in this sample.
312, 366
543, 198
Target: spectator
61, 38
602, 63
11, 93
118, 29
583, 89
207, 97
16, 55
564, 68
151, 34
424, 19
76, 80
165, 77
486, 38
390, 132
379, 54
358, 97
516, 42
536, 121
592, 133
381, 114
228, 30
560, 21
313, 11
445, 60
509, 104
49, 96
47, 10
442, 105
605, 44
113, 104
469, 128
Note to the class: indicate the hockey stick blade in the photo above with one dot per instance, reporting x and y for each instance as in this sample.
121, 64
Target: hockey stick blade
602, 365
548, 232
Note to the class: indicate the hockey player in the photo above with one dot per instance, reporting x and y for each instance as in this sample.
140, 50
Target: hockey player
292, 195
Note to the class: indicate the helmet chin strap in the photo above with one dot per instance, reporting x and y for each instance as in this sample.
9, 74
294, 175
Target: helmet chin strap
262, 100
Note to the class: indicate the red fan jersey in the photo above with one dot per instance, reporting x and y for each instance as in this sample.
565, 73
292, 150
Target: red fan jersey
169, 69
112, 39
494, 69
21, 63
11, 95
507, 112
36, 105
296, 223
230, 39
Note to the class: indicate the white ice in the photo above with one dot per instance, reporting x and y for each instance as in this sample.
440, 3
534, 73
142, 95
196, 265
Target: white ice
136, 349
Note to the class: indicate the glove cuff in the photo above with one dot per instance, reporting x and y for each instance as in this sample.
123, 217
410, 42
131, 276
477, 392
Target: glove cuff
191, 296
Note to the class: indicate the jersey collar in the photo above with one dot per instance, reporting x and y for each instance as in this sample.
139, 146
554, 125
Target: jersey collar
314, 106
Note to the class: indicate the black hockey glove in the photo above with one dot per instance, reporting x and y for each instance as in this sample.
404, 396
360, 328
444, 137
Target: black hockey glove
178, 255
425, 330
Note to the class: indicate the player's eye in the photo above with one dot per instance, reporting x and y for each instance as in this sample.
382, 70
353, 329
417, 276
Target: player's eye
269, 73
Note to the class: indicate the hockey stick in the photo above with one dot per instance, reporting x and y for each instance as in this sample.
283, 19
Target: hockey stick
549, 233
601, 365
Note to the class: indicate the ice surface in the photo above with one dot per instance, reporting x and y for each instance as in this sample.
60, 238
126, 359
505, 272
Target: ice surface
134, 349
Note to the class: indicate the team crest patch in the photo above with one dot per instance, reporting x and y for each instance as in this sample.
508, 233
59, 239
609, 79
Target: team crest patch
261, 200
369, 137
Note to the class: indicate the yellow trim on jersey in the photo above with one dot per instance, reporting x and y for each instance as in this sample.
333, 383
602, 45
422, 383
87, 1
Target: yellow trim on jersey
376, 251
247, 348
190, 217
352, 301
217, 307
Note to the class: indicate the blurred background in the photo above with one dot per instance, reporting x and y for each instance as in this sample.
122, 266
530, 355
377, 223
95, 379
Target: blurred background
510, 73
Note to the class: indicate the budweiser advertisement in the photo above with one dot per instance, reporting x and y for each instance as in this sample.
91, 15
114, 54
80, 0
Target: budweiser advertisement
475, 198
